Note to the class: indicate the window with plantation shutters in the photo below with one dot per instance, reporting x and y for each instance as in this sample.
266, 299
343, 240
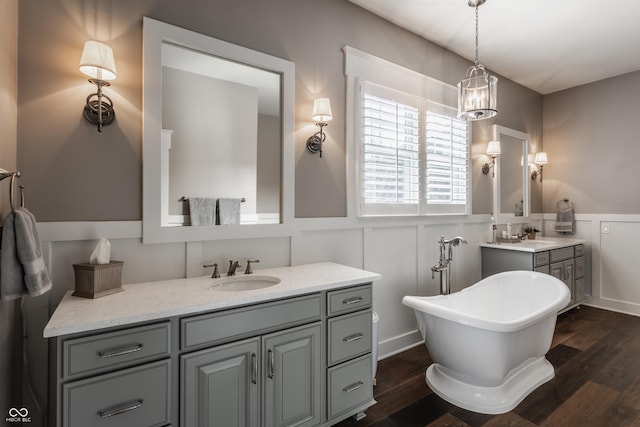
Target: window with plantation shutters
447, 160
414, 155
390, 151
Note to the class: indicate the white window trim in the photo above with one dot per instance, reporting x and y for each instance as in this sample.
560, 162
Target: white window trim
360, 65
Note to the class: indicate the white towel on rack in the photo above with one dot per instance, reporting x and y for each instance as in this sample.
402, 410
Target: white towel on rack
22, 267
229, 211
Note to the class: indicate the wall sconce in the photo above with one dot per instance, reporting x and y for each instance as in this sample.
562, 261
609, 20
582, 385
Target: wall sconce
97, 62
321, 114
540, 160
493, 150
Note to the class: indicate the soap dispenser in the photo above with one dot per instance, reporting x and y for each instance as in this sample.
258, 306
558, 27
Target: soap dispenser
509, 231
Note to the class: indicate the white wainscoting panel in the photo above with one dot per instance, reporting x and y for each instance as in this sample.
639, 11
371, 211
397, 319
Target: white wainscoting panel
620, 258
344, 246
391, 252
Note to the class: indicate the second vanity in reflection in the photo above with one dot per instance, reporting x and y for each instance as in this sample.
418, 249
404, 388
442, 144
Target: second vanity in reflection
191, 352
563, 258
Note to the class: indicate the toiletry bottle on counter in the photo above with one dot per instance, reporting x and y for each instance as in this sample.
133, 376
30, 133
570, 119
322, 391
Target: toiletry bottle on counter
509, 230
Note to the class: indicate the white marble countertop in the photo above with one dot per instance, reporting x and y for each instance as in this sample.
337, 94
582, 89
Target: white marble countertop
537, 245
161, 299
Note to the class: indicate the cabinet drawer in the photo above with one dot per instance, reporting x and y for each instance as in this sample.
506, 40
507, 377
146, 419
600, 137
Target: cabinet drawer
96, 353
349, 385
132, 397
248, 321
579, 250
349, 336
561, 254
579, 267
346, 300
541, 258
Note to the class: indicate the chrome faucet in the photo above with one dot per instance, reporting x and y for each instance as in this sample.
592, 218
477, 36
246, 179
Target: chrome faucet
232, 268
446, 256
216, 273
248, 270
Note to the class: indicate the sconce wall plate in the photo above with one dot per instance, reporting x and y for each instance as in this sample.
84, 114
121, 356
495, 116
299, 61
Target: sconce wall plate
314, 142
98, 109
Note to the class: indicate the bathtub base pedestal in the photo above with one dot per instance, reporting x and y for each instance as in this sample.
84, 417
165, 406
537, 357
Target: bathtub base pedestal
491, 400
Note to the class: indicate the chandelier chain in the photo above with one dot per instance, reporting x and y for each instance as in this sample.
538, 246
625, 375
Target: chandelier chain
477, 61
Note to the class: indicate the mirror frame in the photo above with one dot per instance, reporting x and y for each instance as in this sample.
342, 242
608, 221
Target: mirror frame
502, 217
154, 34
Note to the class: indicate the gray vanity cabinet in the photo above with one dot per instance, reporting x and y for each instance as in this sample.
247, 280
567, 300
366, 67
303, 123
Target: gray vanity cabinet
120, 378
301, 361
564, 270
220, 386
565, 263
292, 377
349, 373
271, 379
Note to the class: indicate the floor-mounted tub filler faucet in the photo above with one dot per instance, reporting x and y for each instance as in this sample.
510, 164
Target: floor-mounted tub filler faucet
446, 256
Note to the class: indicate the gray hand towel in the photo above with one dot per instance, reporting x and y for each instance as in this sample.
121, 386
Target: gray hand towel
565, 218
229, 211
202, 210
23, 270
11, 272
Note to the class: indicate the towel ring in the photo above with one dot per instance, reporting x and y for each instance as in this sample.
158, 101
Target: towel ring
11, 188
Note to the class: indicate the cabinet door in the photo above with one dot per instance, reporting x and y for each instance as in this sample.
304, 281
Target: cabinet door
220, 386
564, 271
293, 372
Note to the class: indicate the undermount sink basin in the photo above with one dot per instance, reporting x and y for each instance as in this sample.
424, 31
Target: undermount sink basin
244, 283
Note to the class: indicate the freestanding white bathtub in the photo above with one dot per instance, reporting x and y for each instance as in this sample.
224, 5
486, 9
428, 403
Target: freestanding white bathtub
489, 340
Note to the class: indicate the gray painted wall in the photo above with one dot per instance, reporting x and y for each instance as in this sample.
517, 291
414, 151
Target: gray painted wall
73, 173
592, 137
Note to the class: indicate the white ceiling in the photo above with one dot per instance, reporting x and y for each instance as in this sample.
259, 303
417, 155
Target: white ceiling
545, 45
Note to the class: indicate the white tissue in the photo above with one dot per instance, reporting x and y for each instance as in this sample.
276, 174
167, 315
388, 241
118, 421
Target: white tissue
102, 253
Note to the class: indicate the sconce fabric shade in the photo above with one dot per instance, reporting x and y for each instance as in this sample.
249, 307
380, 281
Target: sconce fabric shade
97, 61
541, 158
321, 110
493, 148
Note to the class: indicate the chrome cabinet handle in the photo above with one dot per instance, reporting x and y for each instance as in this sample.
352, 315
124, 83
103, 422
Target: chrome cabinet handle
121, 409
254, 368
353, 300
272, 360
119, 351
354, 337
353, 387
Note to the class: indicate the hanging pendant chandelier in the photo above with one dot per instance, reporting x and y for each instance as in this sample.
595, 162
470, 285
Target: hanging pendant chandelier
477, 92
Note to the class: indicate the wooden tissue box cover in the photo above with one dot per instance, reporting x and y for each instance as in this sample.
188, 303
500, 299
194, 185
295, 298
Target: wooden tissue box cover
98, 280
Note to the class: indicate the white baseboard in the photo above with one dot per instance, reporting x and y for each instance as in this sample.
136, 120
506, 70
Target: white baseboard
398, 344
614, 305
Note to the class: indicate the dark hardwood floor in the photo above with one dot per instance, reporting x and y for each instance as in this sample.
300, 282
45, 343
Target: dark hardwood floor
596, 356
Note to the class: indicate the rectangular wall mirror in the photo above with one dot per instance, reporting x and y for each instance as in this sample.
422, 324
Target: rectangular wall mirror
218, 124
511, 198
